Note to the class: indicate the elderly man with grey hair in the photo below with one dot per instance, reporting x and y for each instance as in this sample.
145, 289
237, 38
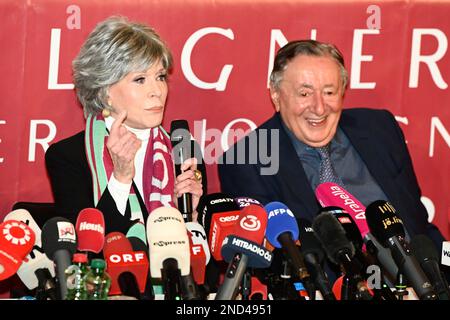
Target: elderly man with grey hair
362, 150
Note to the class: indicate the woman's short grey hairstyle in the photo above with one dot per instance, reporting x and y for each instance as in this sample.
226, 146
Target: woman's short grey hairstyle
113, 49
306, 48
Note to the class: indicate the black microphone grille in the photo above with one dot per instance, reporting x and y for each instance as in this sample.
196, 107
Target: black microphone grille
58, 233
383, 221
332, 236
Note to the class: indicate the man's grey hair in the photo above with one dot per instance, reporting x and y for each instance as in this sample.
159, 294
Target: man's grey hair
113, 49
306, 48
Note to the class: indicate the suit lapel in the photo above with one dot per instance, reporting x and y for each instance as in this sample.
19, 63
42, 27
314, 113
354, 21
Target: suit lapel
292, 175
371, 152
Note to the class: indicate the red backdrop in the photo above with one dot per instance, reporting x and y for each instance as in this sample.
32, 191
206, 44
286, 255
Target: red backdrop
396, 53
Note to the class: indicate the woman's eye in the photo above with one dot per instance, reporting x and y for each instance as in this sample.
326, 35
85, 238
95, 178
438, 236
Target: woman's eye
162, 77
140, 80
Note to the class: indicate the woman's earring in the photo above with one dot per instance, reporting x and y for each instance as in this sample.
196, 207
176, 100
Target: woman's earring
106, 113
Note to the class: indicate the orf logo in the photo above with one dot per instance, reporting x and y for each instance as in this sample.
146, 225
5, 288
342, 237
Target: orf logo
250, 223
16, 232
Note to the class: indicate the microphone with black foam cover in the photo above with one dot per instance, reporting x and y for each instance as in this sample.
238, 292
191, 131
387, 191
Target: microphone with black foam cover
341, 252
388, 228
282, 232
425, 251
127, 268
330, 194
181, 149
36, 259
243, 248
90, 228
365, 258
59, 242
169, 250
218, 214
314, 256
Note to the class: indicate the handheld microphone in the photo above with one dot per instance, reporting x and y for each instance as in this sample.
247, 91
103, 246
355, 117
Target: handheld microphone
341, 251
243, 248
218, 214
90, 229
181, 144
59, 242
127, 268
169, 250
428, 257
314, 256
330, 194
36, 259
388, 228
282, 232
16, 242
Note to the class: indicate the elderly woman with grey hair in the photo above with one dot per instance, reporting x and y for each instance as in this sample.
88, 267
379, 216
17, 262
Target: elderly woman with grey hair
121, 163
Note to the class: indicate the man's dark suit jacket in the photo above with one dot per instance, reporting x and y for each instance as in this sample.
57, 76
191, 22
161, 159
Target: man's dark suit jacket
71, 182
377, 138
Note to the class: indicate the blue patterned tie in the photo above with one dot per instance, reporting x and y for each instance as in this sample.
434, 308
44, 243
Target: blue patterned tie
327, 173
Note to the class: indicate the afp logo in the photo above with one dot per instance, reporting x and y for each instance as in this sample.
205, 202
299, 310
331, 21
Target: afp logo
250, 223
16, 232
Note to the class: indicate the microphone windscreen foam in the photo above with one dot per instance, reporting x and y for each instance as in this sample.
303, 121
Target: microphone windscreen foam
214, 203
252, 224
116, 242
167, 238
25, 216
58, 233
308, 240
332, 236
36, 259
349, 225
16, 241
280, 220
90, 228
383, 221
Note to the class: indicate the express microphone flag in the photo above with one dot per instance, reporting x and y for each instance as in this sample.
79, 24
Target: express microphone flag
181, 144
388, 228
59, 243
36, 259
169, 250
282, 232
332, 195
127, 268
242, 248
16, 241
90, 229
